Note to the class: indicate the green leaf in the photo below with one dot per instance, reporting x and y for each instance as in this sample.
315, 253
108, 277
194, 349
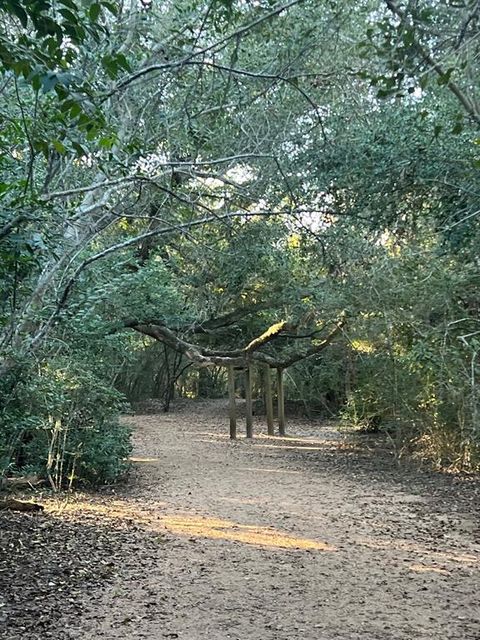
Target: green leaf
94, 11
384, 93
76, 32
66, 105
69, 3
20, 12
66, 13
35, 80
81, 151
22, 67
111, 7
409, 37
445, 77
123, 62
91, 133
61, 91
59, 146
42, 147
106, 142
75, 110
47, 26
110, 65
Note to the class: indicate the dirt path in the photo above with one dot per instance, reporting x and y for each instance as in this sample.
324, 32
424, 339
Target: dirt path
306, 537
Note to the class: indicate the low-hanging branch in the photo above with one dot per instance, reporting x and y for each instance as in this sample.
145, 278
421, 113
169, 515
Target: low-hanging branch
240, 357
268, 335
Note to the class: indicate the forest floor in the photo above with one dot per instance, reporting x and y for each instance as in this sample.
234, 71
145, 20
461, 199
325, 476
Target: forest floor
317, 536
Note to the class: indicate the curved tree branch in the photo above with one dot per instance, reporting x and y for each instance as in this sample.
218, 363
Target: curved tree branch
238, 358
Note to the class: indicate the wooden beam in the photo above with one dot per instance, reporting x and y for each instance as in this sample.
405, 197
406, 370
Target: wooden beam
248, 401
281, 402
267, 384
231, 403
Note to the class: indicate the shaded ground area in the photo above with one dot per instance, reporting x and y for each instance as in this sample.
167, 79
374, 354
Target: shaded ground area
50, 565
311, 536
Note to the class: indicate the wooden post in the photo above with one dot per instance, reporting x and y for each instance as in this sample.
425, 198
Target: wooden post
248, 401
231, 403
267, 383
281, 402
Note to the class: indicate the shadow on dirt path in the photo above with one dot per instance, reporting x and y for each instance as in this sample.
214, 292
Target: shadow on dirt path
308, 537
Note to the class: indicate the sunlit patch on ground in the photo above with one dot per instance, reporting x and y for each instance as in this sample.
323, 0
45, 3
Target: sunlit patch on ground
145, 459
192, 526
216, 529
113, 510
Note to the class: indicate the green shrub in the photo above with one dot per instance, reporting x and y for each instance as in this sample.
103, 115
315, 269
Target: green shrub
63, 424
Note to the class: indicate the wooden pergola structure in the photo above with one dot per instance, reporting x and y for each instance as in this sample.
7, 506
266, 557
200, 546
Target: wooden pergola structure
267, 388
244, 359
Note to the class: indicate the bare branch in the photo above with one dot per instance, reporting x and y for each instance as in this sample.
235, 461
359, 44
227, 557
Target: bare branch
213, 47
140, 177
91, 187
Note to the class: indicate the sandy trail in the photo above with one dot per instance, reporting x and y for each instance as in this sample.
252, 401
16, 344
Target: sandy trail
306, 537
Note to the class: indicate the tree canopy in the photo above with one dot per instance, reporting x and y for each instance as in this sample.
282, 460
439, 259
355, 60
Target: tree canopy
199, 172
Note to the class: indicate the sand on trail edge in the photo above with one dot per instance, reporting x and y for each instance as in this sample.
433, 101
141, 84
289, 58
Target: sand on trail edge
315, 536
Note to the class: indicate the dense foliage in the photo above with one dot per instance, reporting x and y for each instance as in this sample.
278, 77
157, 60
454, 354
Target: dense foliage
214, 168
